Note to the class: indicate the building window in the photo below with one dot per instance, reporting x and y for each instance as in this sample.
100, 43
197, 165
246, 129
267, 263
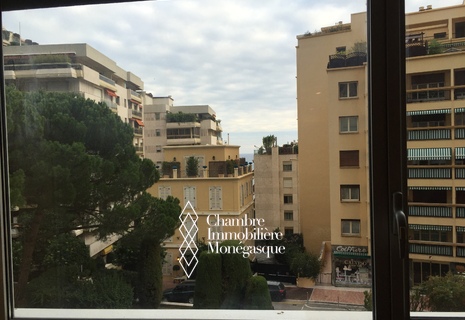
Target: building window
287, 182
158, 149
350, 227
190, 195
349, 158
158, 132
341, 49
432, 235
350, 193
287, 166
164, 192
288, 231
348, 124
288, 215
287, 198
459, 118
348, 89
157, 115
216, 198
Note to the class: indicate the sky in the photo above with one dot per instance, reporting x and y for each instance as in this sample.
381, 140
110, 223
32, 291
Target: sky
238, 56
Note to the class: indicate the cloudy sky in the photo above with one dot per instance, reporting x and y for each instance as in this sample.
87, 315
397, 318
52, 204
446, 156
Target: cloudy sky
238, 56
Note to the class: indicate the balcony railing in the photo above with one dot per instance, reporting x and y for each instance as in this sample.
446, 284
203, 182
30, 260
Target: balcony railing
426, 92
438, 212
138, 131
429, 134
460, 252
460, 133
429, 249
136, 114
347, 60
107, 80
430, 173
460, 212
139, 149
459, 173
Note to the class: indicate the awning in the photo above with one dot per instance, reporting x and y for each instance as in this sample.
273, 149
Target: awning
429, 154
111, 93
352, 255
134, 101
459, 110
429, 227
460, 153
423, 112
139, 122
431, 188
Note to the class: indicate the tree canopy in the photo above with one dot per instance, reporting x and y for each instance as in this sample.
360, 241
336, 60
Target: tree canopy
73, 166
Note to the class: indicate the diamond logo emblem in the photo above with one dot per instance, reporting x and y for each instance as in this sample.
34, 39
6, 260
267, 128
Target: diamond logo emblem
188, 248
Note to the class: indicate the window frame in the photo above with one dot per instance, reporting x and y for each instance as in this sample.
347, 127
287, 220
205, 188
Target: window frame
347, 120
350, 223
350, 187
347, 85
387, 153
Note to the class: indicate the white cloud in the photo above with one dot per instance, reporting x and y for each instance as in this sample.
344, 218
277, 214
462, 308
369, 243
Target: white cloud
238, 56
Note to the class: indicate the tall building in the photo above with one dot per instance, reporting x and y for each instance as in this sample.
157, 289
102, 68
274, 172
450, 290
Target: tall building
332, 113
82, 69
219, 189
276, 188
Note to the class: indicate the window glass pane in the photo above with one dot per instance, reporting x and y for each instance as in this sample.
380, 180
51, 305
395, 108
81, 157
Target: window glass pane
433, 78
103, 200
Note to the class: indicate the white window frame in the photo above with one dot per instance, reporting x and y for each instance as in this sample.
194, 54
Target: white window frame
353, 193
347, 120
215, 197
351, 224
344, 89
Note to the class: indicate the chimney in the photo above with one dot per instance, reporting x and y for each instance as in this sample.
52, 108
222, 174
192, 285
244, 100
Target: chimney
429, 7
421, 9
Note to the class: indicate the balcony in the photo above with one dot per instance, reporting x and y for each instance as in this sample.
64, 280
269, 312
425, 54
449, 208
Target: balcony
428, 134
352, 59
107, 80
430, 211
460, 133
429, 173
136, 114
138, 131
459, 173
460, 252
431, 249
428, 92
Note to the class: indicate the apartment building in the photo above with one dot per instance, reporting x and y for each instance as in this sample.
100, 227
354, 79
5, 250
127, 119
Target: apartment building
169, 125
276, 188
333, 139
82, 69
220, 188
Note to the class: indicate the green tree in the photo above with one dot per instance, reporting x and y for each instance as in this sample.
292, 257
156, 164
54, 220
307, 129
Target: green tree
78, 169
150, 274
257, 294
236, 272
192, 166
208, 289
305, 264
445, 293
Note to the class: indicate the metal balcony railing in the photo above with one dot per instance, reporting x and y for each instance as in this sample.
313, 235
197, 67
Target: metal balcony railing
459, 173
460, 212
107, 80
438, 212
459, 133
460, 252
138, 131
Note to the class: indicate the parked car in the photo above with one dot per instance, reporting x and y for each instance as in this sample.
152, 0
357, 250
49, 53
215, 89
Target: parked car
183, 292
277, 290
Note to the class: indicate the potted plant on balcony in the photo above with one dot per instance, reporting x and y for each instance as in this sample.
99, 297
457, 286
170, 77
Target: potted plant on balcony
230, 167
192, 167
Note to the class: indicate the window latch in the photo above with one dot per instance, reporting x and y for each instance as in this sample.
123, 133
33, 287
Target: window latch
400, 224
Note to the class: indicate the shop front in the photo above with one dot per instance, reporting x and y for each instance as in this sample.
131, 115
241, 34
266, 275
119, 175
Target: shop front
351, 266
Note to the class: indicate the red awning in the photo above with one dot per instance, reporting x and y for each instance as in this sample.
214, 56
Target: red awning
139, 122
111, 93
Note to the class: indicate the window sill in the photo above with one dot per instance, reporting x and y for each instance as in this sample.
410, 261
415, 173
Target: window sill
212, 314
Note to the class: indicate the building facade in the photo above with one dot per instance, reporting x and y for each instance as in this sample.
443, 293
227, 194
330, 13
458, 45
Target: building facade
221, 188
81, 69
276, 188
334, 190
169, 125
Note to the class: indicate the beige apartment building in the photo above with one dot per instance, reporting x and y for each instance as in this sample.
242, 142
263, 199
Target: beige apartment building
220, 189
276, 188
82, 69
332, 113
